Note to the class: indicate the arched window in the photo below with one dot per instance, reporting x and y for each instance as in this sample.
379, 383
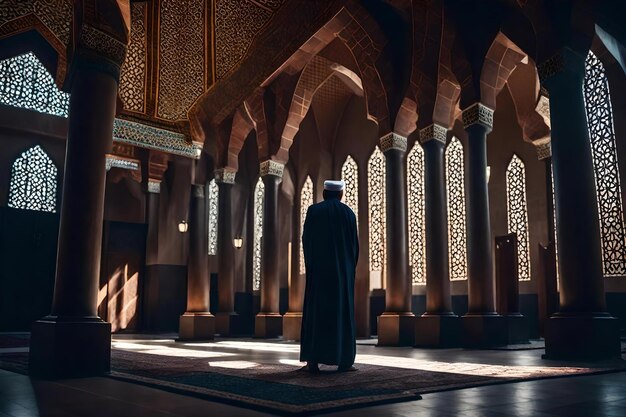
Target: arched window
377, 218
213, 196
350, 174
602, 135
259, 194
417, 223
25, 83
33, 182
306, 200
457, 233
517, 214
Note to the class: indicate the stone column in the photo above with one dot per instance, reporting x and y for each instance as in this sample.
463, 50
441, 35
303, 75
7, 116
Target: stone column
73, 340
439, 326
482, 326
226, 320
197, 323
292, 320
268, 323
582, 329
396, 325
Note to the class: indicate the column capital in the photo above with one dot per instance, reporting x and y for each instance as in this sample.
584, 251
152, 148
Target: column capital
564, 59
479, 114
433, 132
225, 176
393, 141
154, 186
197, 190
544, 151
271, 167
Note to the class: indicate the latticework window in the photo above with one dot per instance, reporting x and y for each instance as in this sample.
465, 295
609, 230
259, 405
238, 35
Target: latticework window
33, 182
602, 135
517, 214
213, 196
376, 198
25, 83
417, 213
457, 233
350, 174
259, 194
306, 200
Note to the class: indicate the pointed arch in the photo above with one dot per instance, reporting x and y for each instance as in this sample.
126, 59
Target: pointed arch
457, 232
517, 214
377, 217
33, 181
212, 201
604, 153
26, 83
259, 196
306, 200
417, 213
350, 174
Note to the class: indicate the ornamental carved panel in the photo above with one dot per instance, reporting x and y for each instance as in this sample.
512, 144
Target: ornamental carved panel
133, 76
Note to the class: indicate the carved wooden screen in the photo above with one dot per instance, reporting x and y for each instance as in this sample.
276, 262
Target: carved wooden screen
350, 174
259, 193
417, 223
33, 182
306, 200
457, 233
213, 196
377, 218
517, 214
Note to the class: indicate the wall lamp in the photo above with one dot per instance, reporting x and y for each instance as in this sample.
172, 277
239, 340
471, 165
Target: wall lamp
183, 226
238, 242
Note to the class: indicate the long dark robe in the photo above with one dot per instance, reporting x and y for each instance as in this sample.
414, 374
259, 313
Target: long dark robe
331, 250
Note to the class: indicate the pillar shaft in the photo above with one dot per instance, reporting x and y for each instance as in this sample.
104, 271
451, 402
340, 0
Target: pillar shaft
226, 251
197, 264
438, 299
481, 296
270, 285
578, 232
90, 133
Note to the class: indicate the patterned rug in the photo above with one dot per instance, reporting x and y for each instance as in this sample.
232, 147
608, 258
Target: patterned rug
282, 389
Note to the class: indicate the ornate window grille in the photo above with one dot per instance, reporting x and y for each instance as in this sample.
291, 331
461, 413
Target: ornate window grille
457, 232
350, 174
517, 214
213, 196
602, 135
306, 200
259, 194
377, 218
25, 83
417, 213
33, 182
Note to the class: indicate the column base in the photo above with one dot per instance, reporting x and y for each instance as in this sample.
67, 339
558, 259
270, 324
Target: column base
72, 347
481, 331
228, 324
580, 337
196, 326
438, 331
292, 325
396, 329
268, 325
517, 329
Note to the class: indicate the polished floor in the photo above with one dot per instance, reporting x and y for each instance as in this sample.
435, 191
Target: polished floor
588, 396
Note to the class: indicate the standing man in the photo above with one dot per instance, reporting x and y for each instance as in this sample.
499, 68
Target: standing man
331, 251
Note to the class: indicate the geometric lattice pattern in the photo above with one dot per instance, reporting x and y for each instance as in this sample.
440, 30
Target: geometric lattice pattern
181, 56
350, 174
417, 213
306, 200
377, 219
457, 232
33, 182
213, 196
259, 194
25, 83
602, 135
133, 74
237, 22
517, 214
56, 15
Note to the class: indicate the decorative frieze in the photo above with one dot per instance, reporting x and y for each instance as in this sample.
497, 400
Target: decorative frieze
115, 161
154, 186
225, 176
553, 65
150, 137
393, 141
103, 44
544, 151
433, 132
271, 167
478, 113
